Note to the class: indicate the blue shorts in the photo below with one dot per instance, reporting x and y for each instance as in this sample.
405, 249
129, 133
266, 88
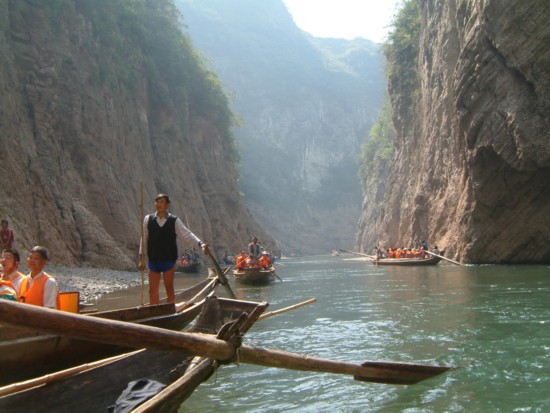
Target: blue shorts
161, 265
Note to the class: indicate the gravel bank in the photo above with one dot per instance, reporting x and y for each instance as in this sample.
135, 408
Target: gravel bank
91, 282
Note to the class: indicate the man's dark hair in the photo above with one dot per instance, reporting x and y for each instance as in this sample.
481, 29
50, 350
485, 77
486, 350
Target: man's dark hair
42, 251
4, 220
160, 196
13, 252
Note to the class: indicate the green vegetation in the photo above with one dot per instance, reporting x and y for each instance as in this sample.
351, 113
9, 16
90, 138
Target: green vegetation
144, 38
401, 51
377, 152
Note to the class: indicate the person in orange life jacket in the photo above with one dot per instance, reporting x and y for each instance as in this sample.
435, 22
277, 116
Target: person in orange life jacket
39, 288
240, 262
10, 263
160, 232
7, 292
265, 261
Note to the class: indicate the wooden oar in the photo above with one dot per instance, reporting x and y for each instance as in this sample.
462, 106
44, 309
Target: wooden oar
139, 336
444, 258
289, 308
373, 257
49, 378
220, 273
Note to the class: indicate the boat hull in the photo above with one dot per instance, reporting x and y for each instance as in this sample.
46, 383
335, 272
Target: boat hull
407, 261
254, 276
96, 389
25, 354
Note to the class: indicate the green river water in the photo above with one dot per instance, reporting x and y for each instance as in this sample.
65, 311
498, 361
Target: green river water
491, 322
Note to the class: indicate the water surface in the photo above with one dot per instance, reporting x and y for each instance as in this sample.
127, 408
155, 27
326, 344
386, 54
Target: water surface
492, 322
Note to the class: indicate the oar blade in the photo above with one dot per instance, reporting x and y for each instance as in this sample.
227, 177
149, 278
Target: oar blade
398, 373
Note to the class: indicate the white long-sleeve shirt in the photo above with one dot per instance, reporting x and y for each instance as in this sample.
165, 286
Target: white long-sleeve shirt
181, 230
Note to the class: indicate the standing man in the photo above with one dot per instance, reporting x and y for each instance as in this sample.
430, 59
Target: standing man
10, 265
254, 250
160, 232
39, 288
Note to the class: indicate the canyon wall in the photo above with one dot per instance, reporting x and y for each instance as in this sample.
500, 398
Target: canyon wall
471, 171
85, 116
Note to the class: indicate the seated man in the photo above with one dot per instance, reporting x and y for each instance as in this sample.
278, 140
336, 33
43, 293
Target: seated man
7, 292
241, 261
10, 264
265, 261
39, 288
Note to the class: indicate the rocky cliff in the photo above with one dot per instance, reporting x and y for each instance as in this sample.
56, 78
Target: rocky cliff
472, 167
87, 112
306, 106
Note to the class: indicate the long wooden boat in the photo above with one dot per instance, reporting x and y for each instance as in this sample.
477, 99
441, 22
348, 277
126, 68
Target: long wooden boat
96, 389
25, 354
191, 268
255, 275
407, 261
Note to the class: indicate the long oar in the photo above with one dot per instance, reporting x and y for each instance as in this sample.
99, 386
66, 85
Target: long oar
220, 273
139, 336
444, 258
359, 253
53, 377
289, 308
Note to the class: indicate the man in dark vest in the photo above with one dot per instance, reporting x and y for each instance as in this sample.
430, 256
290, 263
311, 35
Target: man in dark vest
160, 232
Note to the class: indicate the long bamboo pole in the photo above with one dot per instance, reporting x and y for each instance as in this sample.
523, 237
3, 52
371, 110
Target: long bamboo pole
359, 253
444, 258
220, 273
139, 336
142, 245
289, 308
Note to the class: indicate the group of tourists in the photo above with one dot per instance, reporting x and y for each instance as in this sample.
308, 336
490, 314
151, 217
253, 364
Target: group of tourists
419, 251
255, 258
37, 288
189, 257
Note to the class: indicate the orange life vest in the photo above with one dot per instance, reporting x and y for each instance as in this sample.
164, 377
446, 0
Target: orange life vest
241, 261
35, 294
7, 290
265, 262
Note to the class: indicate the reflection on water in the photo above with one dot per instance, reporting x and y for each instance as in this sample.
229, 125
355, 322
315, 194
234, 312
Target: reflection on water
490, 321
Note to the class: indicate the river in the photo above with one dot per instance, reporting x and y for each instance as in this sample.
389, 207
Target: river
490, 322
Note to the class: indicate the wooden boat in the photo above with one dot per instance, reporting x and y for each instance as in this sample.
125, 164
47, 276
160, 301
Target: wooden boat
255, 275
96, 389
432, 260
191, 268
25, 354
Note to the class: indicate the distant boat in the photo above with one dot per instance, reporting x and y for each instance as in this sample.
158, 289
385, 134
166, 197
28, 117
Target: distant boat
432, 260
189, 267
255, 275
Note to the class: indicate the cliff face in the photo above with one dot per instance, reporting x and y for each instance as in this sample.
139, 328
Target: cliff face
306, 106
80, 130
472, 169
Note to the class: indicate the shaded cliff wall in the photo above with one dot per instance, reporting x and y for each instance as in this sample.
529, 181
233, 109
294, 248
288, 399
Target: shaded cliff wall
472, 168
83, 122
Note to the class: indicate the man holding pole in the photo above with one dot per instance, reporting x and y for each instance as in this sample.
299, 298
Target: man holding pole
160, 232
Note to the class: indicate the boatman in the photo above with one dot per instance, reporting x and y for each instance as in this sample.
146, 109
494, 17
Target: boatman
39, 288
254, 250
160, 232
10, 265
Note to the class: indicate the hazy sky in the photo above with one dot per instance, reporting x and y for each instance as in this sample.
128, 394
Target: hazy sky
345, 19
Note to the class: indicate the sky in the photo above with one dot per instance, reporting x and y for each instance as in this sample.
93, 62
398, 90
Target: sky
346, 19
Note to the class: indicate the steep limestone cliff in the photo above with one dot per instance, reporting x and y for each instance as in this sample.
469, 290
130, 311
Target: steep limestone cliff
306, 104
85, 116
472, 168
